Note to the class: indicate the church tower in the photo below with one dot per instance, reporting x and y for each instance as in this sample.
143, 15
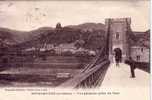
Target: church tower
117, 35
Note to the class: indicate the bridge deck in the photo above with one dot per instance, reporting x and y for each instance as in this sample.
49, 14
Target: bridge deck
120, 77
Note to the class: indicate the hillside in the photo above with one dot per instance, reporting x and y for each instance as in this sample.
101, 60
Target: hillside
88, 26
16, 37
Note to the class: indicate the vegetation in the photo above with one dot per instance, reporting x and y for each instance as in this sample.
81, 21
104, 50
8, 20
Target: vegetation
85, 39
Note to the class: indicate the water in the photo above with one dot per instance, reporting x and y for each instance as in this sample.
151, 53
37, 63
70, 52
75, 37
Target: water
42, 72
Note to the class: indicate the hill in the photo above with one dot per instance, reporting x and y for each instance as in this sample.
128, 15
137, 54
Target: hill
90, 33
88, 26
15, 37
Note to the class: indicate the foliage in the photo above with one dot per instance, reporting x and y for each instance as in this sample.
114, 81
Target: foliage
92, 40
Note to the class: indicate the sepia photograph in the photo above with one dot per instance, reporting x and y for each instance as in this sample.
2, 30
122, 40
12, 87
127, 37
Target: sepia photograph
75, 45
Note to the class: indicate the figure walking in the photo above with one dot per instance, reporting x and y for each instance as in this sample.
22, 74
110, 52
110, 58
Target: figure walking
118, 55
132, 68
117, 60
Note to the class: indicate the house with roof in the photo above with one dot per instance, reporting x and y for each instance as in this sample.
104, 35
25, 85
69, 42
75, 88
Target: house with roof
140, 48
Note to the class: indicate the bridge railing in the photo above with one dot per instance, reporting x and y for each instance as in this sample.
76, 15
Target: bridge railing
145, 66
90, 78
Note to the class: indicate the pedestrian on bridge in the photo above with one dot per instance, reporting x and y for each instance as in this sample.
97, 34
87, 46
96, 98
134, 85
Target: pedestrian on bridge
117, 60
118, 55
132, 67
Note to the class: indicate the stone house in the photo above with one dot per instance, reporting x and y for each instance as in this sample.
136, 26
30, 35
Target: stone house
140, 49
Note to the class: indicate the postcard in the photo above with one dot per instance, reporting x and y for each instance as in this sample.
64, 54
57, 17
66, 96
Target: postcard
75, 50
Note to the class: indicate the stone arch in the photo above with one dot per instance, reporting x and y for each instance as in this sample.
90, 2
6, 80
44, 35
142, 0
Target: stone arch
117, 33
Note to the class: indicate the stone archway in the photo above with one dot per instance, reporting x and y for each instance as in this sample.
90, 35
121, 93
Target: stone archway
117, 30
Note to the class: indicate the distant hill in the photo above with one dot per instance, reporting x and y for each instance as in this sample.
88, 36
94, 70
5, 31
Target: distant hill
16, 37
88, 26
9, 36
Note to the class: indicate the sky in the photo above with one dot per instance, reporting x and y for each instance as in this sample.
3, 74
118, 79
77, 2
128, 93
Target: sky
29, 15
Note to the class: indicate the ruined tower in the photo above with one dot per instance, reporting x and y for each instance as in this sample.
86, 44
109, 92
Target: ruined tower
117, 31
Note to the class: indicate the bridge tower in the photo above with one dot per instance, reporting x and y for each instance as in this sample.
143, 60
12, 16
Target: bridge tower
117, 36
